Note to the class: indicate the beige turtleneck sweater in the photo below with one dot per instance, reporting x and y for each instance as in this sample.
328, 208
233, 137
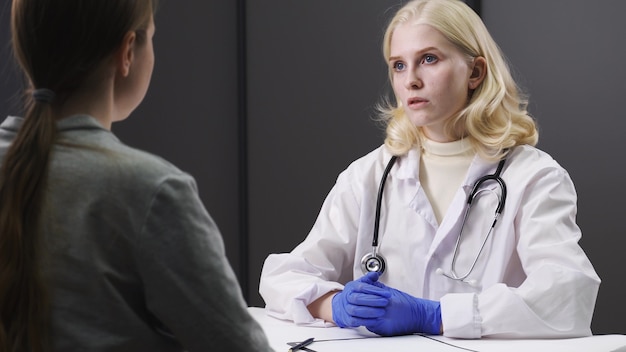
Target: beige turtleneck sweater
443, 167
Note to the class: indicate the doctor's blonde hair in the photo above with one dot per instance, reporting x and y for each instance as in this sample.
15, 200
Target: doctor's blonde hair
495, 117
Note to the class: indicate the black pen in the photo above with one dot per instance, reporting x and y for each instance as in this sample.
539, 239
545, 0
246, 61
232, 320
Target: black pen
301, 344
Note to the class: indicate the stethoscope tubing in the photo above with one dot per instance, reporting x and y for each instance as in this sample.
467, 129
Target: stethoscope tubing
379, 199
375, 257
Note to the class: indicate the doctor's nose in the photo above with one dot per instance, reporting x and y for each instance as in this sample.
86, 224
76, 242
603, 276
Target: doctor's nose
413, 81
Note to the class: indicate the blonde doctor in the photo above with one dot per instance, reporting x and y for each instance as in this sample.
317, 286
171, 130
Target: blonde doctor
511, 268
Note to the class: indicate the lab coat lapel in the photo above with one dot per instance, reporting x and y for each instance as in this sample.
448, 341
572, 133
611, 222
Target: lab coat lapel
419, 200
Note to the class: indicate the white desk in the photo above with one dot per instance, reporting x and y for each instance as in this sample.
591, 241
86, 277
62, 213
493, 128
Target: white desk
336, 339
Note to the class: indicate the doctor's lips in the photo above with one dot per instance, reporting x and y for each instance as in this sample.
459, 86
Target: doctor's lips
416, 102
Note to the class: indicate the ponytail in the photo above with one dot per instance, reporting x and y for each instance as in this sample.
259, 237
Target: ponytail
23, 298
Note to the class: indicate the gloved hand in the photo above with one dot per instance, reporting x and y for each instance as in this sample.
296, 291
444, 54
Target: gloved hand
360, 302
405, 314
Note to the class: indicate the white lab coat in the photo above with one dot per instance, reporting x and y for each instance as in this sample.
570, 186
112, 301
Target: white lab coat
532, 278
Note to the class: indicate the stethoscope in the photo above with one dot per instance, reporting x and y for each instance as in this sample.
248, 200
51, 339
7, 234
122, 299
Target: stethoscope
375, 262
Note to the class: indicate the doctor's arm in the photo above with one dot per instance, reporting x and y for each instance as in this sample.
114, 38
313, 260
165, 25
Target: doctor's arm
557, 297
561, 285
322, 308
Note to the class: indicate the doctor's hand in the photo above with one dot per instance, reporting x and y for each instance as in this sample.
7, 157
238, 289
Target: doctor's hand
361, 302
405, 314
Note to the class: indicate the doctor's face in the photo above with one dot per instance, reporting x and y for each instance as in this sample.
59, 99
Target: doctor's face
430, 77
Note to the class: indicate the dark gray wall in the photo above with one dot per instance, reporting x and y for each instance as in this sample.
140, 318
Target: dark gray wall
314, 73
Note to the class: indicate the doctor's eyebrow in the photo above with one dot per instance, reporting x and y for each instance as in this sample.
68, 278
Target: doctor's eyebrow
418, 53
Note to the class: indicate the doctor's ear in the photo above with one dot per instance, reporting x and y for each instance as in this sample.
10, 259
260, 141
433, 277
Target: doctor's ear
479, 71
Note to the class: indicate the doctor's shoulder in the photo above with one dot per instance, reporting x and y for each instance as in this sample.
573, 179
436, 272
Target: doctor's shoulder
528, 164
367, 169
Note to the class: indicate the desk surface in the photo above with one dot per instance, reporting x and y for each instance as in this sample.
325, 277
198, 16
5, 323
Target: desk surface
335, 339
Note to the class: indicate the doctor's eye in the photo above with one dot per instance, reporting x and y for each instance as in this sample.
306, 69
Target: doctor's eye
398, 66
429, 59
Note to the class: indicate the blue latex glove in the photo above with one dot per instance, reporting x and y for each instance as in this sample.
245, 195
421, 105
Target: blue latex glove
405, 315
360, 302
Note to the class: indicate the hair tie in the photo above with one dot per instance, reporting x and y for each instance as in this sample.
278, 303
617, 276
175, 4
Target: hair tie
43, 95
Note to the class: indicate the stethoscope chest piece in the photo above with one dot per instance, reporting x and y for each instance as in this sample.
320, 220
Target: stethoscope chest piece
373, 262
